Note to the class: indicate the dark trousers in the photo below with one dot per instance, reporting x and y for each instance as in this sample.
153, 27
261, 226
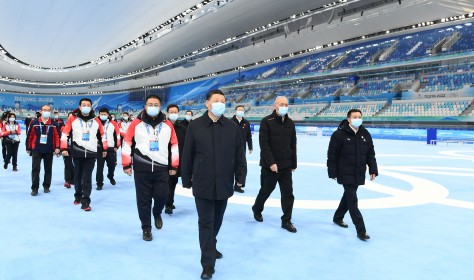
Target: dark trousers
12, 152
111, 160
211, 214
47, 159
349, 202
148, 186
173, 180
4, 149
68, 169
83, 168
268, 181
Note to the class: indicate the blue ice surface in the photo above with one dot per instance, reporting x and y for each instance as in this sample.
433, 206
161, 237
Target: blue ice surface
47, 237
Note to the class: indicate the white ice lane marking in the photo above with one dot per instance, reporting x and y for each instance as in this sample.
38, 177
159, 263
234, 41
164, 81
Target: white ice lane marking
423, 191
451, 171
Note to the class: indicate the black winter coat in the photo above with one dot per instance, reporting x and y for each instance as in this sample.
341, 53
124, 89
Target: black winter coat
244, 131
212, 156
349, 154
180, 131
277, 142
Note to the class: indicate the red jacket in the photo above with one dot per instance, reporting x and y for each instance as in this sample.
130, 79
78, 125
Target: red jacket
33, 138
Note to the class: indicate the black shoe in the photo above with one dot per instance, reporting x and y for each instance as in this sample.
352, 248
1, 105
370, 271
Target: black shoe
99, 186
147, 236
158, 222
218, 255
257, 216
169, 210
288, 226
207, 272
77, 201
340, 223
34, 192
86, 207
5, 165
112, 180
173, 207
15, 169
238, 189
363, 236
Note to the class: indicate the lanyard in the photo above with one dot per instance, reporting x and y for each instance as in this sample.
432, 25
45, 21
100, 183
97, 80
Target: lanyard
87, 128
155, 132
41, 129
106, 128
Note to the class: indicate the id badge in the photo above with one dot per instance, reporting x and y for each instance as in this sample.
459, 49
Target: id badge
43, 139
86, 136
154, 145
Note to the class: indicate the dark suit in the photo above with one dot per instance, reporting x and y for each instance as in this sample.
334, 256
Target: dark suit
246, 134
180, 131
212, 156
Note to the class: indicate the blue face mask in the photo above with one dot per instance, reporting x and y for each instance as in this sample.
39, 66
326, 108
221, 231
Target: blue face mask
188, 117
152, 111
240, 114
86, 110
282, 110
218, 108
356, 122
103, 118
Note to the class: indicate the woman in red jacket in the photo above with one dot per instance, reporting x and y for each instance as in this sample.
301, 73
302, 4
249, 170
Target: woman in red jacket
10, 132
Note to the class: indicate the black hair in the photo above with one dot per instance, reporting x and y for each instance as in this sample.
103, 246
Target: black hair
125, 113
172, 106
239, 106
11, 114
152, 96
5, 115
189, 111
212, 92
103, 110
353, 111
84, 99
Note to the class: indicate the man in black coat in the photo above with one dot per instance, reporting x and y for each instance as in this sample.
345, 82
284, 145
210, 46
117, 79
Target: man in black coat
180, 130
246, 133
212, 157
350, 151
188, 117
278, 161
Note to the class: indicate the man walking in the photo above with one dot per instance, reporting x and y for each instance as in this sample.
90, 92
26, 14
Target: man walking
86, 133
350, 151
212, 157
278, 161
152, 133
42, 141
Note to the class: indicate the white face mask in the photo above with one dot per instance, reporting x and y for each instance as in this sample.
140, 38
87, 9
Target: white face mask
173, 117
45, 114
240, 114
356, 122
125, 118
86, 110
282, 110
153, 111
103, 118
188, 117
11, 119
218, 108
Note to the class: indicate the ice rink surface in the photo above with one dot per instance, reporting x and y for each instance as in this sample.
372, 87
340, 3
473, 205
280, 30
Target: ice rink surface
419, 213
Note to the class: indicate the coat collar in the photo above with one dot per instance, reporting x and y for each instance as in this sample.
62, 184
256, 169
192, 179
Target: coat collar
209, 121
